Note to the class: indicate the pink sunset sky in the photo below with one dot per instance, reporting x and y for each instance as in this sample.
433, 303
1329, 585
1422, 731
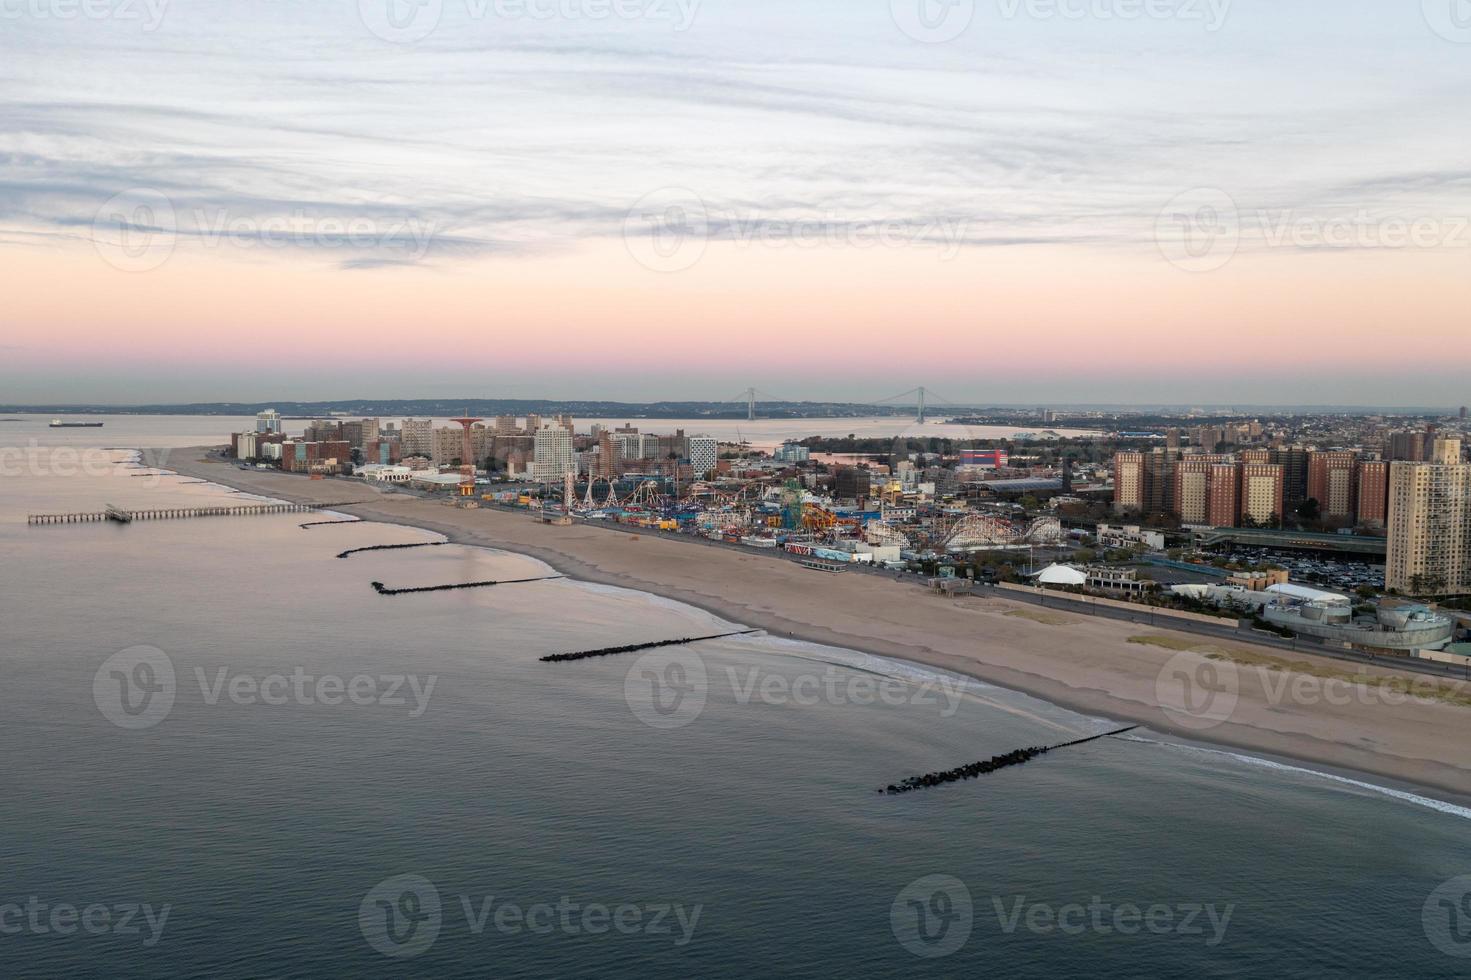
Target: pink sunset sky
1268, 209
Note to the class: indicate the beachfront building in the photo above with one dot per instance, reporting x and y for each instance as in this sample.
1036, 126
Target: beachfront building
381, 473
1429, 551
1331, 617
268, 421
553, 455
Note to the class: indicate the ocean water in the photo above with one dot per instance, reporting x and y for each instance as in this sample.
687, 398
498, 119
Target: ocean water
227, 755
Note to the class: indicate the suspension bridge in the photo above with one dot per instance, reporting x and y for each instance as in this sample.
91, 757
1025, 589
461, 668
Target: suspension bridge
922, 397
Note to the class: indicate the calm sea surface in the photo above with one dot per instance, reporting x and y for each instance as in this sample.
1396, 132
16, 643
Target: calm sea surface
228, 756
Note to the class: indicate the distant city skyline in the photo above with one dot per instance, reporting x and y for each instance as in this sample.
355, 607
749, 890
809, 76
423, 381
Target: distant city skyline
354, 404
1220, 202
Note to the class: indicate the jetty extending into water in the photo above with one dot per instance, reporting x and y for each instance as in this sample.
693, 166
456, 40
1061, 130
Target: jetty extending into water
976, 769
635, 647
385, 590
390, 547
124, 516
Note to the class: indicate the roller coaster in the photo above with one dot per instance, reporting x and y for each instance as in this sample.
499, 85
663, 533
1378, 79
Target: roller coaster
977, 531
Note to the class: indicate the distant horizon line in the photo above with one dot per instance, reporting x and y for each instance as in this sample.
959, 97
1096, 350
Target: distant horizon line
342, 404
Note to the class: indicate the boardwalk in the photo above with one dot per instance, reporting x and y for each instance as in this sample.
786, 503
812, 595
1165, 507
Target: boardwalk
174, 513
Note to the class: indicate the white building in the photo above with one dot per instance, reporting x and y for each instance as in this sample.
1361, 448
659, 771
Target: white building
268, 421
630, 445
1129, 536
795, 452
553, 453
385, 473
704, 452
1429, 549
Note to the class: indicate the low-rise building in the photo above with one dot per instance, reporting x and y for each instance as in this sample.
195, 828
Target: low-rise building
1117, 579
382, 473
1258, 581
1130, 536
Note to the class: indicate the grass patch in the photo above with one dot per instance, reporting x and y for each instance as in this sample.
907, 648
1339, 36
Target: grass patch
1177, 643
1045, 618
1422, 688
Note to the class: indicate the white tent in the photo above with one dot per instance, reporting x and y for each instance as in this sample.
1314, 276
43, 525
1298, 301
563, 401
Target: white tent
1064, 575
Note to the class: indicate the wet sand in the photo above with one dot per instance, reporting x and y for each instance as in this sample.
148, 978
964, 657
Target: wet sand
1086, 664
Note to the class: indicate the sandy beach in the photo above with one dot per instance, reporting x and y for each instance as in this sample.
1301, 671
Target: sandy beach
1312, 711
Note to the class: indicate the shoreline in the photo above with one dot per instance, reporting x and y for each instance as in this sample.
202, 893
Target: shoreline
1085, 666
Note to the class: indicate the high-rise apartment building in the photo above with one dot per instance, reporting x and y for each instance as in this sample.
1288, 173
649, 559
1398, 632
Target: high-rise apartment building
1373, 492
1430, 524
1159, 481
1294, 460
1144, 483
268, 421
1129, 494
1407, 446
417, 437
1224, 509
607, 458
1192, 487
553, 453
630, 444
1333, 483
704, 453
449, 445
1262, 493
